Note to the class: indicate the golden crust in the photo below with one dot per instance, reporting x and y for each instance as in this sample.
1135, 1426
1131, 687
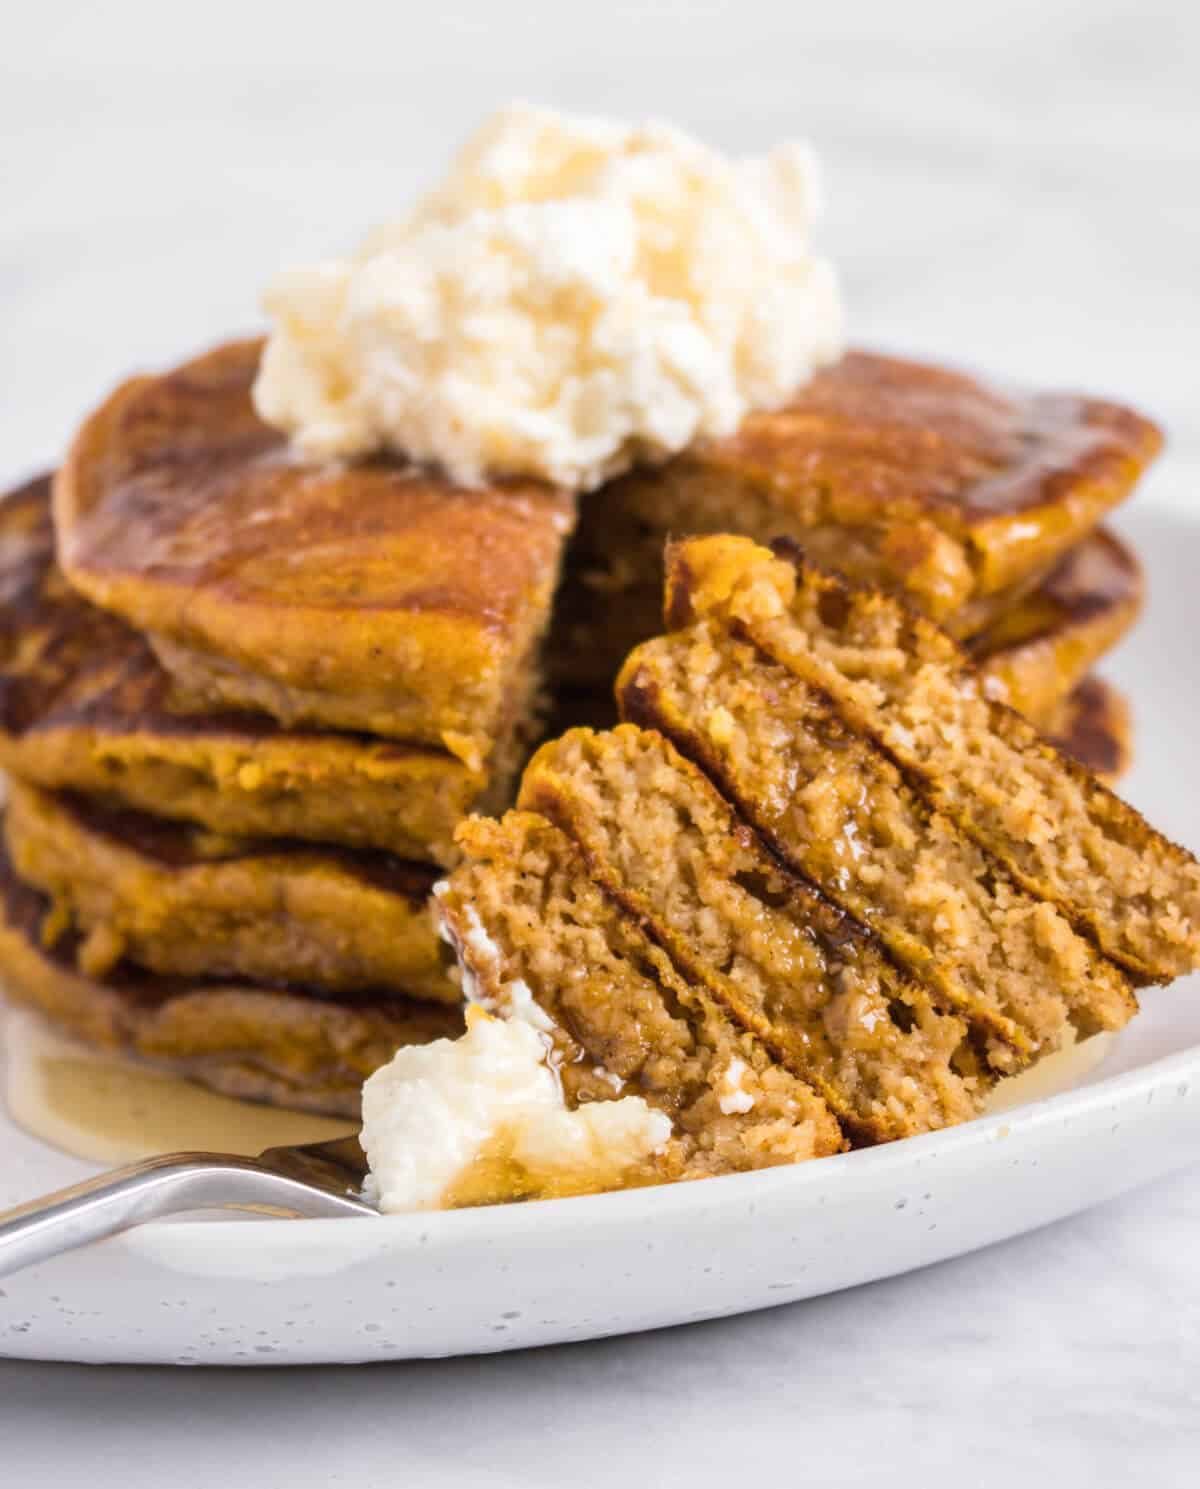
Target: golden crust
905, 476
1038, 651
176, 901
85, 706
281, 1047
918, 477
371, 596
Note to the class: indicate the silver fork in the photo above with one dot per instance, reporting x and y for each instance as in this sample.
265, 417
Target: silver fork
317, 1180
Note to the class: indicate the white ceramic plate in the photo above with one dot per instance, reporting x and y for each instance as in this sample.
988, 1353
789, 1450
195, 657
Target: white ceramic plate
298, 1292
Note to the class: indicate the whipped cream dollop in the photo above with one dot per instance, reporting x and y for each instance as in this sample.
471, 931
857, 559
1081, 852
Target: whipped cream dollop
576, 296
481, 1118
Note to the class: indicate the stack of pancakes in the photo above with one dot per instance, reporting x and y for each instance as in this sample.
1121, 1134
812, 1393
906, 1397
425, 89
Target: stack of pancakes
245, 701
980, 509
243, 705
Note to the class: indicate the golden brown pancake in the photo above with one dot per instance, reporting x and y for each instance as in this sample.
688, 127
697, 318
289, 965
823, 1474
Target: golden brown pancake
372, 596
1035, 653
178, 901
817, 989
895, 678
287, 1048
914, 477
910, 477
620, 1018
85, 706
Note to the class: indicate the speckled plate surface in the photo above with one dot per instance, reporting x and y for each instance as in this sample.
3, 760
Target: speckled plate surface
249, 1291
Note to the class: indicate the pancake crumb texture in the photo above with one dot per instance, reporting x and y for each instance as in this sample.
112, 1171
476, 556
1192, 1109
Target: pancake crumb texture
623, 1021
903, 682
785, 963
820, 827
839, 811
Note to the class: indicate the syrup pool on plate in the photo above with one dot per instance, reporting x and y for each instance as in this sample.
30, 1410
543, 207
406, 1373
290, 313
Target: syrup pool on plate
111, 1110
1057, 1072
108, 1109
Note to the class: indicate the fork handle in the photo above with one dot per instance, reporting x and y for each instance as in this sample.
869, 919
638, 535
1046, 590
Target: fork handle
159, 1186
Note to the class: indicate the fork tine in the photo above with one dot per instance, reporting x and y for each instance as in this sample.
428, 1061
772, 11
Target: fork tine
339, 1165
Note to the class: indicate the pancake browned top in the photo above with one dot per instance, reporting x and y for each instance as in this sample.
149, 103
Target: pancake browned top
372, 595
903, 475
85, 706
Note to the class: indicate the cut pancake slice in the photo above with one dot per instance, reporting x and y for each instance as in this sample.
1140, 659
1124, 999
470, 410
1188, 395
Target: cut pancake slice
1094, 727
84, 706
277, 1046
787, 965
177, 901
834, 808
898, 678
1041, 648
538, 939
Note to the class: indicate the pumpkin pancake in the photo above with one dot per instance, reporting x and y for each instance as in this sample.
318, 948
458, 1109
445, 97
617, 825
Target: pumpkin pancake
1036, 653
537, 938
896, 678
372, 596
906, 476
279, 1046
822, 995
176, 900
85, 706
840, 817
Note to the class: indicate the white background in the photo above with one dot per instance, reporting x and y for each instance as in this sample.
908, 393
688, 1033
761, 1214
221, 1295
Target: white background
1013, 186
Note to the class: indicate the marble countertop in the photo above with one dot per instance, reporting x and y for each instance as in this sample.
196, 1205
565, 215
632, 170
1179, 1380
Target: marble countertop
1011, 187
